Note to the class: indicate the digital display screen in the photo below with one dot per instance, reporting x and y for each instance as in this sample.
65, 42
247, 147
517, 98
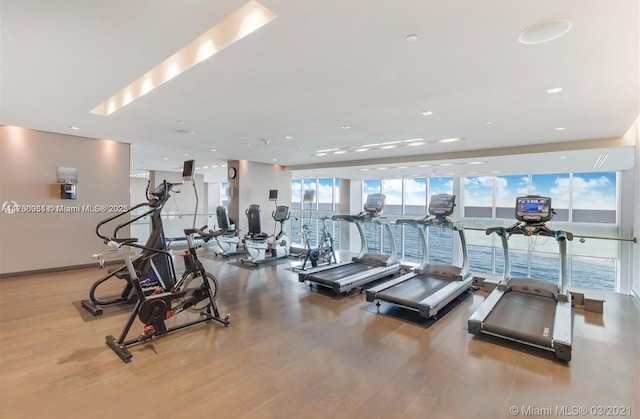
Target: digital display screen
281, 213
187, 170
375, 202
273, 194
533, 208
442, 204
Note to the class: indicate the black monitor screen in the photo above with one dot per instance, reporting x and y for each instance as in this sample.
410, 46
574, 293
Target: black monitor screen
533, 208
309, 195
375, 203
273, 194
188, 170
281, 213
442, 204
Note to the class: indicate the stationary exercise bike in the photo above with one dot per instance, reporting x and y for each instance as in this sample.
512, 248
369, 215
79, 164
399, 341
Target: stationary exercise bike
322, 254
228, 242
195, 291
153, 252
259, 243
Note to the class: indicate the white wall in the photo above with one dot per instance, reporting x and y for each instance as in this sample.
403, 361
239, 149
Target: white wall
56, 239
254, 181
636, 223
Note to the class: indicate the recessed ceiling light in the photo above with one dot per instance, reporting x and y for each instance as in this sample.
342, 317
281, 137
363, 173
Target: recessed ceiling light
205, 167
223, 165
300, 148
364, 169
381, 168
554, 90
241, 23
213, 149
411, 38
563, 157
165, 158
287, 137
275, 159
214, 166
180, 122
489, 123
545, 31
385, 147
320, 154
75, 128
403, 167
424, 165
416, 143
186, 154
561, 128
449, 140
359, 150
446, 164
339, 152
345, 127
427, 113
476, 162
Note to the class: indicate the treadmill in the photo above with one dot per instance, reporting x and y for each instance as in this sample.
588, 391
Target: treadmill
365, 267
429, 287
526, 310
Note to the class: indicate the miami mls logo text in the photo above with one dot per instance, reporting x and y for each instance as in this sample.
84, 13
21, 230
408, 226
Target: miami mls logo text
9, 207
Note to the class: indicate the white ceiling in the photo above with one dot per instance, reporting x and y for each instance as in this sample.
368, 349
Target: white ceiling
323, 64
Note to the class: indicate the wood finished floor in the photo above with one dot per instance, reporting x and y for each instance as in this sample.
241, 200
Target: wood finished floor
291, 352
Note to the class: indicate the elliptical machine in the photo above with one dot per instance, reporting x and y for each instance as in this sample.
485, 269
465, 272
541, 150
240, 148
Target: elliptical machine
259, 243
227, 243
154, 253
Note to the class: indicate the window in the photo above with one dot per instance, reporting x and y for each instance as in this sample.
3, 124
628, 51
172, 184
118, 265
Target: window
594, 198
440, 185
415, 196
558, 187
296, 194
224, 194
508, 188
392, 188
324, 196
478, 197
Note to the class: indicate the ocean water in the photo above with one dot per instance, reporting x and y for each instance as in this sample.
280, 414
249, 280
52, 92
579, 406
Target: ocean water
583, 272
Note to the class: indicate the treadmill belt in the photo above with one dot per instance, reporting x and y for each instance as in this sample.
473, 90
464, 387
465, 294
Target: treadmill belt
410, 293
331, 275
525, 317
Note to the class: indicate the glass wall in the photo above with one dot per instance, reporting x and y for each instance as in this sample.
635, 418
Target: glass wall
584, 203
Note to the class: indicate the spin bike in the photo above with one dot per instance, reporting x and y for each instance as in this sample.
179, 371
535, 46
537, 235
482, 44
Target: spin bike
324, 253
195, 291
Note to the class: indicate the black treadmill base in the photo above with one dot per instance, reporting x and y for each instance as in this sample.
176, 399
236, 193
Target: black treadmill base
413, 317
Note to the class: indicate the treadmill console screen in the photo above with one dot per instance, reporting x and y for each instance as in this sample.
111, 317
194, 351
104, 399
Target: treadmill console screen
375, 203
281, 213
533, 209
442, 204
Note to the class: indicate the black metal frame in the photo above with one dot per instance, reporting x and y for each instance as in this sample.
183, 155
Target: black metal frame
153, 310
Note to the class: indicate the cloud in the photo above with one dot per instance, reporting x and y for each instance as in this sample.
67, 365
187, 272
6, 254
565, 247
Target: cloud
593, 193
393, 190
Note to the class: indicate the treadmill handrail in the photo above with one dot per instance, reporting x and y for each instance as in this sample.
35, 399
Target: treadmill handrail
430, 221
533, 229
